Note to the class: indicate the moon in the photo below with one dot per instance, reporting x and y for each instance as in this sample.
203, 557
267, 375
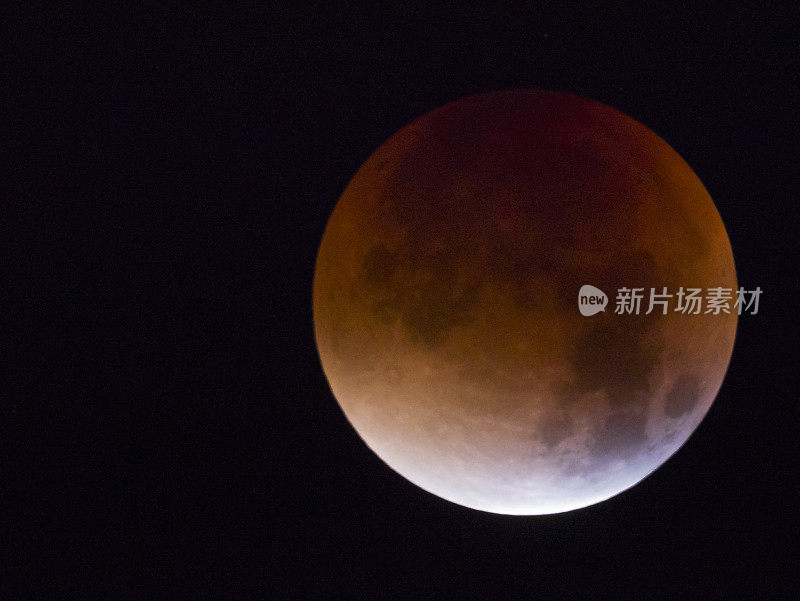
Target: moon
445, 302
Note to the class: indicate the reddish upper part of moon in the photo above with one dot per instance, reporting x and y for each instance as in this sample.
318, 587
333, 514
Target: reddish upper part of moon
445, 302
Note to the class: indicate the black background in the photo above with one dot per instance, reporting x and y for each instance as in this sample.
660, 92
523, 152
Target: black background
168, 431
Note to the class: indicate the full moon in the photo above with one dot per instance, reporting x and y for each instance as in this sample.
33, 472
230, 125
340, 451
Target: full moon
446, 312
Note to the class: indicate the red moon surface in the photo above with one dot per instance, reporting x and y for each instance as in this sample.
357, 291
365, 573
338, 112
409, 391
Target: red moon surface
446, 302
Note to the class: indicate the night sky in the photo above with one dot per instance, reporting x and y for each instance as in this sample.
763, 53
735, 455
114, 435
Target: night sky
167, 430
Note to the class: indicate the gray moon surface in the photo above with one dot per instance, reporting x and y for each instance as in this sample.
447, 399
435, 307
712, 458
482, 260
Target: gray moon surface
445, 302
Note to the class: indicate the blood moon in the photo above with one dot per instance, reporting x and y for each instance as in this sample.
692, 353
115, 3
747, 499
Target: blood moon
445, 296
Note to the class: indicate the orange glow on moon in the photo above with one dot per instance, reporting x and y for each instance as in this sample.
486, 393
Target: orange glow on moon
445, 302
